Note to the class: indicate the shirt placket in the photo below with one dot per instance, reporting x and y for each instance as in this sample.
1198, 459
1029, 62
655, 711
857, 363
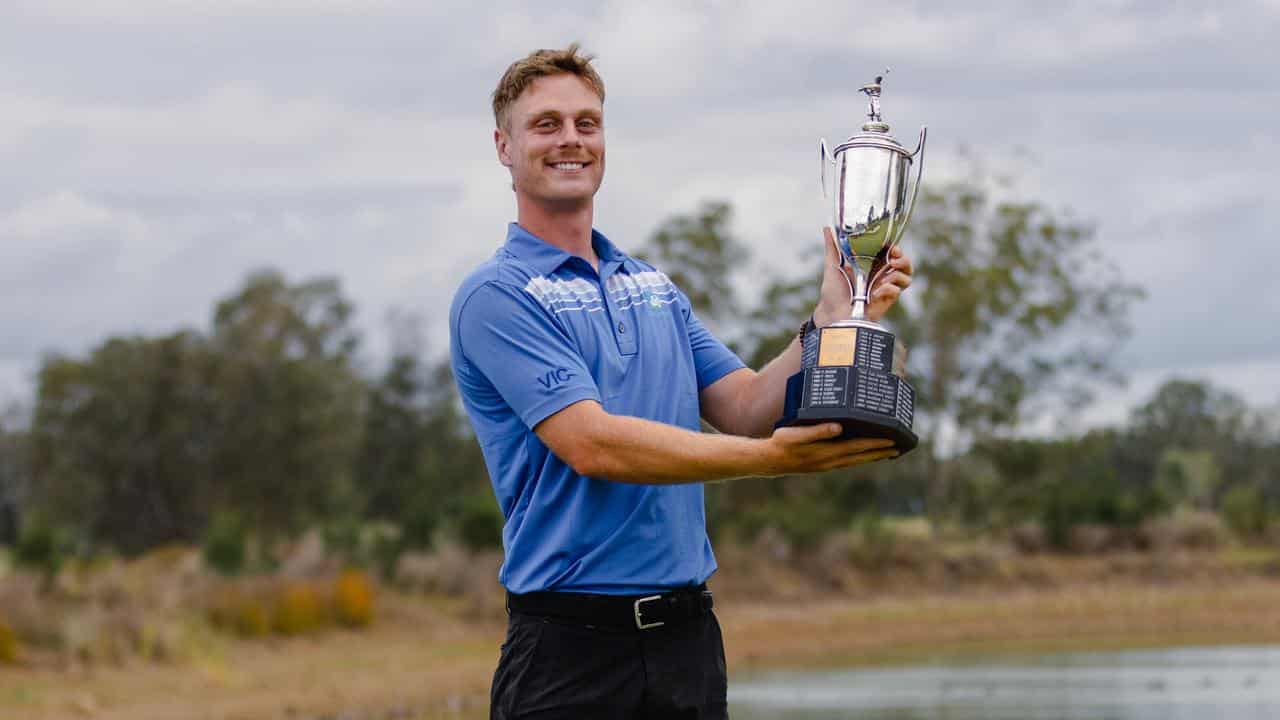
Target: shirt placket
620, 320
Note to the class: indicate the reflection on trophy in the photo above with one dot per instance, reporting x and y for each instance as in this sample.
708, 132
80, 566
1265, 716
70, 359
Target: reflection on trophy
852, 370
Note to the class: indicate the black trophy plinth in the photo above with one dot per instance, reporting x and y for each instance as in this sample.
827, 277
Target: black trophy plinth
847, 376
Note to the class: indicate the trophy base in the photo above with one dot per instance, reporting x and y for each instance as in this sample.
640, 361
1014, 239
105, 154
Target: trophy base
847, 377
857, 422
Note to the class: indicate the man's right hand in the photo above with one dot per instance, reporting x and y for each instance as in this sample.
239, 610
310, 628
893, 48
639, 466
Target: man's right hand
811, 448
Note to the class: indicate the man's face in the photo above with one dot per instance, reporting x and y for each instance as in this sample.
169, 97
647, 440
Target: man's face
554, 142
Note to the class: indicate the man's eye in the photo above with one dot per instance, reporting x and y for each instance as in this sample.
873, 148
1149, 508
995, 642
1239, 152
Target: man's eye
545, 125
588, 124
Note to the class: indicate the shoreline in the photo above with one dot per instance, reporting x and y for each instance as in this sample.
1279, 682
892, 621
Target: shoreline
911, 630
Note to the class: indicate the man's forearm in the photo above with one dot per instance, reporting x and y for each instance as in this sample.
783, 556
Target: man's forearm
748, 403
629, 449
767, 392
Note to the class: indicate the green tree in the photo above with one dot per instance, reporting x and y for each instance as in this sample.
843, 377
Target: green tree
13, 476
288, 416
1188, 477
1014, 309
121, 441
1190, 415
1193, 440
140, 442
418, 460
701, 256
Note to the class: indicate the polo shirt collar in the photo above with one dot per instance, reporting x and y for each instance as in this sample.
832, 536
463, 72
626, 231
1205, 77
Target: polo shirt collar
546, 258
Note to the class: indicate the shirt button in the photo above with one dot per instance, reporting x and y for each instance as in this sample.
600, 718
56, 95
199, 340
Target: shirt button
622, 328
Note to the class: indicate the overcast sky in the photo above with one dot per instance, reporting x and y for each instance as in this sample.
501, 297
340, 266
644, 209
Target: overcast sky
153, 152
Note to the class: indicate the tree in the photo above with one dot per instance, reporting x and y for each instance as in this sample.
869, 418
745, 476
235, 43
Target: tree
288, 424
418, 461
1190, 415
13, 476
121, 441
142, 441
1014, 310
701, 256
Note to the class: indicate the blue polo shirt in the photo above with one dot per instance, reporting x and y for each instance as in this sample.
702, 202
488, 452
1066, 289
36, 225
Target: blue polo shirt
534, 330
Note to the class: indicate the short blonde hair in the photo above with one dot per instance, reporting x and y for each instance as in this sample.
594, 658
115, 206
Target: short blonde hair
542, 63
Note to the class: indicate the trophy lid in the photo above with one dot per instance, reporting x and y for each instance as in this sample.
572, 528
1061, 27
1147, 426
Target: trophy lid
875, 131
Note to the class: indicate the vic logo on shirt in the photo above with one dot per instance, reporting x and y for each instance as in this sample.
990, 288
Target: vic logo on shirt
554, 378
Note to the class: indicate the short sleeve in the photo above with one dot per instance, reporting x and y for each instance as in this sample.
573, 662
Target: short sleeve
712, 360
521, 350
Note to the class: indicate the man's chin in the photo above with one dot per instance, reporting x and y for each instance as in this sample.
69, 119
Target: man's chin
571, 198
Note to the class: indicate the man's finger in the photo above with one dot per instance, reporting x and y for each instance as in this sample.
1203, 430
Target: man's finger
886, 292
862, 458
862, 445
800, 434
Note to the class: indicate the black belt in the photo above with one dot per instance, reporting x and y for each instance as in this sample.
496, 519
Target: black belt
619, 612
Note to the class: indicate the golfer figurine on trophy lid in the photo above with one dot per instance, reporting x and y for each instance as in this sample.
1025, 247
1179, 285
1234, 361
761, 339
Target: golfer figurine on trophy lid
852, 370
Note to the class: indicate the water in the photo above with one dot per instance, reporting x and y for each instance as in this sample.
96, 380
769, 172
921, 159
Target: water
1228, 683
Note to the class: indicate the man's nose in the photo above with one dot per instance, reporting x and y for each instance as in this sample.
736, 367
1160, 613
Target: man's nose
570, 137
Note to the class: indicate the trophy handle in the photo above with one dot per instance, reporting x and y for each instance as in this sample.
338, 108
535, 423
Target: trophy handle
822, 164
918, 157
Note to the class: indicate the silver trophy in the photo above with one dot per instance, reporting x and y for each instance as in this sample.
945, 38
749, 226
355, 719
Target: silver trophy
873, 198
852, 371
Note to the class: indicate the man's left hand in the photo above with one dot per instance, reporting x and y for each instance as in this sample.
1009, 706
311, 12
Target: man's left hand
835, 302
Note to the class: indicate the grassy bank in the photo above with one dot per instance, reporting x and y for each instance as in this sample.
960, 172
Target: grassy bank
431, 655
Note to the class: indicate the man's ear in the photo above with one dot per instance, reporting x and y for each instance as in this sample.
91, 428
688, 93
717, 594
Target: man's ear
500, 144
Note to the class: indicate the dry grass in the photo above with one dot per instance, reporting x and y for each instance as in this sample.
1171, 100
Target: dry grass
419, 659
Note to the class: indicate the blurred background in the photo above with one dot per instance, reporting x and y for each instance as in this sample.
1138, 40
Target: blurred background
233, 463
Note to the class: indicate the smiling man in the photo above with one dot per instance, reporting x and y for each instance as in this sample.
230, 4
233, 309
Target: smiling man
585, 373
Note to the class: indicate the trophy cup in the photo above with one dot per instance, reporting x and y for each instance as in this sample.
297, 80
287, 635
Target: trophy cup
852, 371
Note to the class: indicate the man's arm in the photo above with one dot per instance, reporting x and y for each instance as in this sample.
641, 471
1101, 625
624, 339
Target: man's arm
598, 444
748, 403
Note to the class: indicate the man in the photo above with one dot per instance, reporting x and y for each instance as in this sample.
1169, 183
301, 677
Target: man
585, 373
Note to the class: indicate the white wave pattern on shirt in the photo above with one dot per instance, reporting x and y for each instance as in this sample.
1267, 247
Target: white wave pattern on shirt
559, 296
646, 288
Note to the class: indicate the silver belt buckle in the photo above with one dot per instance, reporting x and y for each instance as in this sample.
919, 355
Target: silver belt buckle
640, 624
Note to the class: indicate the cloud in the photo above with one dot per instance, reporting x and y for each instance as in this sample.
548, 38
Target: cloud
153, 152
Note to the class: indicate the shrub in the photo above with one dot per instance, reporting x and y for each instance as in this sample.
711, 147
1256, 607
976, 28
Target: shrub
1245, 511
342, 538
873, 542
251, 618
385, 549
225, 543
1186, 529
480, 523
878, 543
41, 547
353, 599
8, 645
298, 608
802, 521
419, 522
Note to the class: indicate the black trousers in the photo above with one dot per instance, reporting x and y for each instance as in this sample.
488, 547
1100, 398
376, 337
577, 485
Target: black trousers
552, 669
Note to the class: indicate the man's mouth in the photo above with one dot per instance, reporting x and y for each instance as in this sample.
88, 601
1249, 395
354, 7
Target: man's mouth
568, 165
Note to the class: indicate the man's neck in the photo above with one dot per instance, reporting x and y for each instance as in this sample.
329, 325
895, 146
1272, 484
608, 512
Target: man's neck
566, 228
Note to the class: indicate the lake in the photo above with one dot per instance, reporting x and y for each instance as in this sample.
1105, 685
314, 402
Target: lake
1223, 683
